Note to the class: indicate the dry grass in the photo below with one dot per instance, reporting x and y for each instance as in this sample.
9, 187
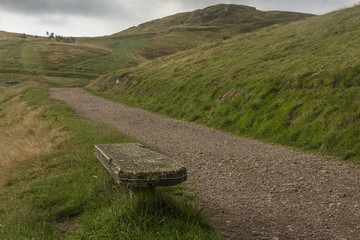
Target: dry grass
24, 136
58, 52
5, 36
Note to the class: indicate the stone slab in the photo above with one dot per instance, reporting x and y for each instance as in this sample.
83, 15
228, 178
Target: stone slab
10, 84
136, 166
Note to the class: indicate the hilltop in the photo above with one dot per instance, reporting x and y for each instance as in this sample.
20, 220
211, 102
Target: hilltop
213, 24
240, 17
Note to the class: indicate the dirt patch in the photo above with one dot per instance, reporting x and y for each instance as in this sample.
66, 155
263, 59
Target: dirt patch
67, 225
252, 190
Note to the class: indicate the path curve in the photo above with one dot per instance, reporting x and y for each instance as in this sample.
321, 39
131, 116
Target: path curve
252, 189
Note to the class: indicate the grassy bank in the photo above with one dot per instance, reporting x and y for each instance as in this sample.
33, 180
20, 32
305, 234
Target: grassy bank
53, 187
297, 85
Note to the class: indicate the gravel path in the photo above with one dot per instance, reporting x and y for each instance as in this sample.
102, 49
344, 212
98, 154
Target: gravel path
252, 189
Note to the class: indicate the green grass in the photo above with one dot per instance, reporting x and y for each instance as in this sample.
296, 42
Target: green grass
295, 84
67, 193
10, 51
127, 46
63, 81
51, 58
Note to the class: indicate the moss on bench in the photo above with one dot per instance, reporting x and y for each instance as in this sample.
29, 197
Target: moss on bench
137, 166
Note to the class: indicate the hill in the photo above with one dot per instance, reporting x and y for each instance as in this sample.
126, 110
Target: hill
216, 23
241, 17
88, 58
295, 84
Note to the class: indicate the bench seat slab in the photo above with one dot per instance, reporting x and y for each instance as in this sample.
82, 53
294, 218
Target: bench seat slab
136, 166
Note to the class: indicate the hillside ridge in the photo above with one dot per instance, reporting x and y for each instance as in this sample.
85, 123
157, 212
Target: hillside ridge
221, 15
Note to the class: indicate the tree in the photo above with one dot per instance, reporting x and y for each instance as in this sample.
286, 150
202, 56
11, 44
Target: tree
60, 38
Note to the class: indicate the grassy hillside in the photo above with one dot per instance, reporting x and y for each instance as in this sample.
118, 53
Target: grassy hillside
213, 24
89, 58
221, 16
53, 187
294, 84
52, 58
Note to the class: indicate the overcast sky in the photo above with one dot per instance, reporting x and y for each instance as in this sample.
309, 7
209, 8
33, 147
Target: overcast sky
104, 17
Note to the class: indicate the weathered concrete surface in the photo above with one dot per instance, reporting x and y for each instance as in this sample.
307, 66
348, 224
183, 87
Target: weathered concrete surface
136, 166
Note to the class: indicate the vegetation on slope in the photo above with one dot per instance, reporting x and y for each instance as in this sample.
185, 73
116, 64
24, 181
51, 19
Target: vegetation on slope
91, 57
82, 59
242, 18
213, 24
294, 84
53, 187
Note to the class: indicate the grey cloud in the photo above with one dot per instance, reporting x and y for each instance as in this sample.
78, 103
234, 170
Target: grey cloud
104, 8
135, 9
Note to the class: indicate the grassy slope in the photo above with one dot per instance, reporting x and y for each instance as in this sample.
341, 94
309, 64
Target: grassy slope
242, 18
82, 59
294, 84
59, 190
90, 57
192, 29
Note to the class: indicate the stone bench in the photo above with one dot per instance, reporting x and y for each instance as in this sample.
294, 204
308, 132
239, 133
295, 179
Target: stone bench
136, 166
9, 84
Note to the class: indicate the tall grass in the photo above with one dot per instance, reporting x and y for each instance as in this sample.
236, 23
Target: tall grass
24, 137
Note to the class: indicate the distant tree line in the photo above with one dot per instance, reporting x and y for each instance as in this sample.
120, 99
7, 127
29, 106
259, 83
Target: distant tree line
60, 38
